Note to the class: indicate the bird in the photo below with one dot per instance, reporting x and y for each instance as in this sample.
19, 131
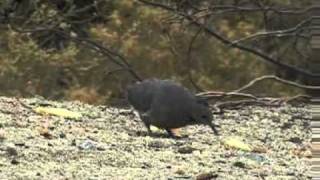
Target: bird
168, 105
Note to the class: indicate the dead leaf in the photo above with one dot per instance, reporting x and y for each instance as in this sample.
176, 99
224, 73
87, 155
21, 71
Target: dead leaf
46, 134
44, 131
58, 112
153, 128
237, 143
180, 171
302, 152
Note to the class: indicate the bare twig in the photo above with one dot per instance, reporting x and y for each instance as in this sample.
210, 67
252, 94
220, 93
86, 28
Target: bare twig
273, 77
96, 46
254, 51
264, 102
233, 8
228, 42
250, 99
123, 63
278, 33
220, 95
108, 73
189, 62
298, 97
233, 104
23, 104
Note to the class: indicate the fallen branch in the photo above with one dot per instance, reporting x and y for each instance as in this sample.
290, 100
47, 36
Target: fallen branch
241, 103
220, 95
250, 99
299, 98
273, 77
272, 102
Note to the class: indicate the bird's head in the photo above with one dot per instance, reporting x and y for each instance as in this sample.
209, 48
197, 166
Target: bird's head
202, 114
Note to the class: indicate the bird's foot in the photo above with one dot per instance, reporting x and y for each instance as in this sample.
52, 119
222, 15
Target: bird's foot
174, 133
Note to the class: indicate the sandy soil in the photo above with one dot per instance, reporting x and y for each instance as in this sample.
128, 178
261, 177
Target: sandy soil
111, 143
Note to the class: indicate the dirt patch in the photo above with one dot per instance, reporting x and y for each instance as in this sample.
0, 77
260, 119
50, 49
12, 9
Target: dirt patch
109, 143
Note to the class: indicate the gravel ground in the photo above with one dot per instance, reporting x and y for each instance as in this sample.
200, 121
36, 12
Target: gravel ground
111, 143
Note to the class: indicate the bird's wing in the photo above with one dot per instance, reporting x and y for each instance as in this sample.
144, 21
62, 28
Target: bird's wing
141, 95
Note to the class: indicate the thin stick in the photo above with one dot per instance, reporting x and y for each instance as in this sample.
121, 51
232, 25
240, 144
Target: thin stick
273, 77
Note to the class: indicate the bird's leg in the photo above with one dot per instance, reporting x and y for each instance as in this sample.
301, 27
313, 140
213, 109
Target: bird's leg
147, 126
174, 133
215, 131
146, 121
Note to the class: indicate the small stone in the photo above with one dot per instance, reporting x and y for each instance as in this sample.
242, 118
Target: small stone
87, 145
186, 150
180, 172
73, 143
156, 144
100, 148
62, 135
206, 176
2, 134
146, 165
95, 131
20, 144
14, 161
11, 151
296, 140
239, 164
259, 149
307, 154
286, 125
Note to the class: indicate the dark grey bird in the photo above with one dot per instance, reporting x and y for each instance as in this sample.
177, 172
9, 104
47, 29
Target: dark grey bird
168, 105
